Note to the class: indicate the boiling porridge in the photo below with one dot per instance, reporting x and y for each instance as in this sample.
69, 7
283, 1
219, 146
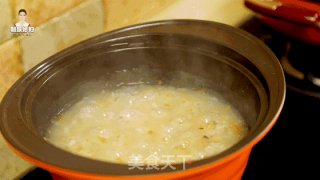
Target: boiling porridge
147, 120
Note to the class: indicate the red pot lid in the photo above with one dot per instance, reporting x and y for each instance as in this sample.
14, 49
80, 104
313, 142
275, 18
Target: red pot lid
297, 18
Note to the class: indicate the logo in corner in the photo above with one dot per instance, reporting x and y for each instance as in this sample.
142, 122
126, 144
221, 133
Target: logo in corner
22, 27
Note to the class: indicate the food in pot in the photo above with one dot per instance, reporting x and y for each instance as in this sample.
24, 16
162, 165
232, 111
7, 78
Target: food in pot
148, 121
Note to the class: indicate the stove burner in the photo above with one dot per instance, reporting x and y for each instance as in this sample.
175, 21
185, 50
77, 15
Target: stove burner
302, 68
300, 61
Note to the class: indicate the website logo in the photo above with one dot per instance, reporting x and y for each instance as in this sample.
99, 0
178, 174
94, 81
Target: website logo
22, 27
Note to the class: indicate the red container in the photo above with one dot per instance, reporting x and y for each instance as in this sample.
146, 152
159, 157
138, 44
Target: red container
239, 67
296, 18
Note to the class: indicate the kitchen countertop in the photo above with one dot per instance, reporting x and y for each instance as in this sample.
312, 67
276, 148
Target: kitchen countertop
11, 164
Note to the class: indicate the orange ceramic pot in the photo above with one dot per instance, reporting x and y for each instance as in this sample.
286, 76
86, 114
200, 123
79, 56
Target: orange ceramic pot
236, 64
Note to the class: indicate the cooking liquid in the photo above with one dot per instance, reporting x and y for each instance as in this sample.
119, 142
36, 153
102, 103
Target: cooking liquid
148, 122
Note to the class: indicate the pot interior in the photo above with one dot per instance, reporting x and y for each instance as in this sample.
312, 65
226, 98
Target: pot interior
172, 61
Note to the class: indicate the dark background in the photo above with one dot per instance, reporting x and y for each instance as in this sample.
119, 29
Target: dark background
290, 150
